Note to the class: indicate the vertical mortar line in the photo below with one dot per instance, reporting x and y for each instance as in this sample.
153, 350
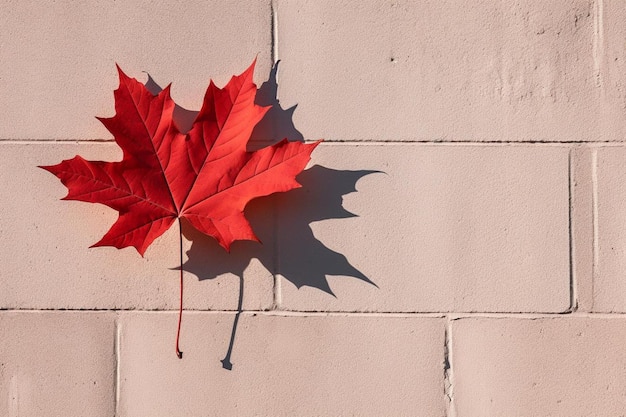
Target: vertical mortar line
278, 280
594, 199
117, 376
277, 302
274, 16
573, 286
448, 372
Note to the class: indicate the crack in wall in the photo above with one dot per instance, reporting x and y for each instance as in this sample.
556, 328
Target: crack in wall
598, 42
448, 377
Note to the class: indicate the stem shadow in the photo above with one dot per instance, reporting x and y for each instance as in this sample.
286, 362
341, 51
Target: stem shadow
226, 363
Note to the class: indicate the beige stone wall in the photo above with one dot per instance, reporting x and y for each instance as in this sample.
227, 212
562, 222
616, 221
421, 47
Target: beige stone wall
495, 231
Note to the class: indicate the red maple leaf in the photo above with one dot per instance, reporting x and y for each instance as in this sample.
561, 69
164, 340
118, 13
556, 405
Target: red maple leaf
205, 176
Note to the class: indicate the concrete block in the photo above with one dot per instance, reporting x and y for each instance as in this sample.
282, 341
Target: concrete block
59, 70
444, 228
609, 65
609, 286
282, 366
47, 261
539, 367
57, 364
440, 70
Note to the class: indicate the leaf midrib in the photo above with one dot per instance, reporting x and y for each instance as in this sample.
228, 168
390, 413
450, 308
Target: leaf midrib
113, 186
143, 121
247, 179
230, 112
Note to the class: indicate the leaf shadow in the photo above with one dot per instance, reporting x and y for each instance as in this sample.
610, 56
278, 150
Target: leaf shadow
182, 117
302, 259
278, 122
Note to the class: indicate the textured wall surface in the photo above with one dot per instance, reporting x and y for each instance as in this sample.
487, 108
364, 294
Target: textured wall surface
458, 247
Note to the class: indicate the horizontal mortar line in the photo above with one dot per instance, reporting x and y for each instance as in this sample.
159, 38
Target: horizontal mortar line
291, 313
472, 142
448, 314
52, 141
278, 313
364, 142
536, 316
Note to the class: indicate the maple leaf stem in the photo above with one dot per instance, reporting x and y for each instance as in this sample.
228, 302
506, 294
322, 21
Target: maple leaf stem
180, 309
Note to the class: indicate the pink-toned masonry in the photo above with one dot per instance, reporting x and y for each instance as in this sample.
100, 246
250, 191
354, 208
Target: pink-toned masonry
495, 229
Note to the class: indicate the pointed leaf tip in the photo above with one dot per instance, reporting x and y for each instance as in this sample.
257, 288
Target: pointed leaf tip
121, 74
